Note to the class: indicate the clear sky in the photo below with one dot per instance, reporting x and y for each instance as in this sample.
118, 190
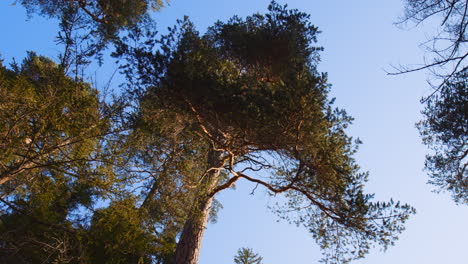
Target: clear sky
360, 42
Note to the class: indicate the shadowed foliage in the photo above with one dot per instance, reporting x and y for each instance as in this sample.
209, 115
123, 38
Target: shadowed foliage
444, 129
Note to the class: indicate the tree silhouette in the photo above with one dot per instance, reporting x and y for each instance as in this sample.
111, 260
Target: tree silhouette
444, 129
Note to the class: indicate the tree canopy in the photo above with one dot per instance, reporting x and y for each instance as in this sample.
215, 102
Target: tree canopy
444, 129
102, 17
63, 191
49, 133
135, 180
226, 98
48, 121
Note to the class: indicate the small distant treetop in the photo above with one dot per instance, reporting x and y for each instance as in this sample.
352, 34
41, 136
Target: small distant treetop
247, 256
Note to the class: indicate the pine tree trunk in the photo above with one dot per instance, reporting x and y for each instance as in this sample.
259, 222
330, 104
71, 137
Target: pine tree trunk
189, 245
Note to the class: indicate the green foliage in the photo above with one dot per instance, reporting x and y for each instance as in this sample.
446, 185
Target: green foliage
37, 228
229, 91
445, 131
103, 17
247, 256
219, 73
50, 123
119, 234
51, 164
62, 162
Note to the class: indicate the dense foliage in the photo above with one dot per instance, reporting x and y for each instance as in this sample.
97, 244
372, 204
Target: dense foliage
50, 125
58, 170
49, 121
445, 130
101, 17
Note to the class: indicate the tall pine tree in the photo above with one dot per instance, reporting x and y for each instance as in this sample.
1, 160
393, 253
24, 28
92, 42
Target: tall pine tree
245, 101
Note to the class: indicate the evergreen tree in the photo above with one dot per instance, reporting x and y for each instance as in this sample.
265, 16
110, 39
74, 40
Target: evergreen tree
51, 161
245, 101
50, 122
247, 256
444, 129
103, 18
60, 166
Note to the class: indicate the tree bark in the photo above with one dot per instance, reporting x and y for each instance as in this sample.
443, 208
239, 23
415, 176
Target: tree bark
189, 245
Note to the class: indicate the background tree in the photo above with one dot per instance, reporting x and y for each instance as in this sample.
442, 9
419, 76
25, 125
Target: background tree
445, 130
67, 195
226, 99
49, 122
103, 18
247, 256
120, 234
51, 160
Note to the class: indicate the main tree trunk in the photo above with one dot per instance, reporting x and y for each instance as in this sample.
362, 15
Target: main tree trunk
189, 245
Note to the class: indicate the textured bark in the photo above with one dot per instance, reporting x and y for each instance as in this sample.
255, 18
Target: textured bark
189, 245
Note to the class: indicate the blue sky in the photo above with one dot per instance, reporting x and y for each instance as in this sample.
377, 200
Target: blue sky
360, 43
